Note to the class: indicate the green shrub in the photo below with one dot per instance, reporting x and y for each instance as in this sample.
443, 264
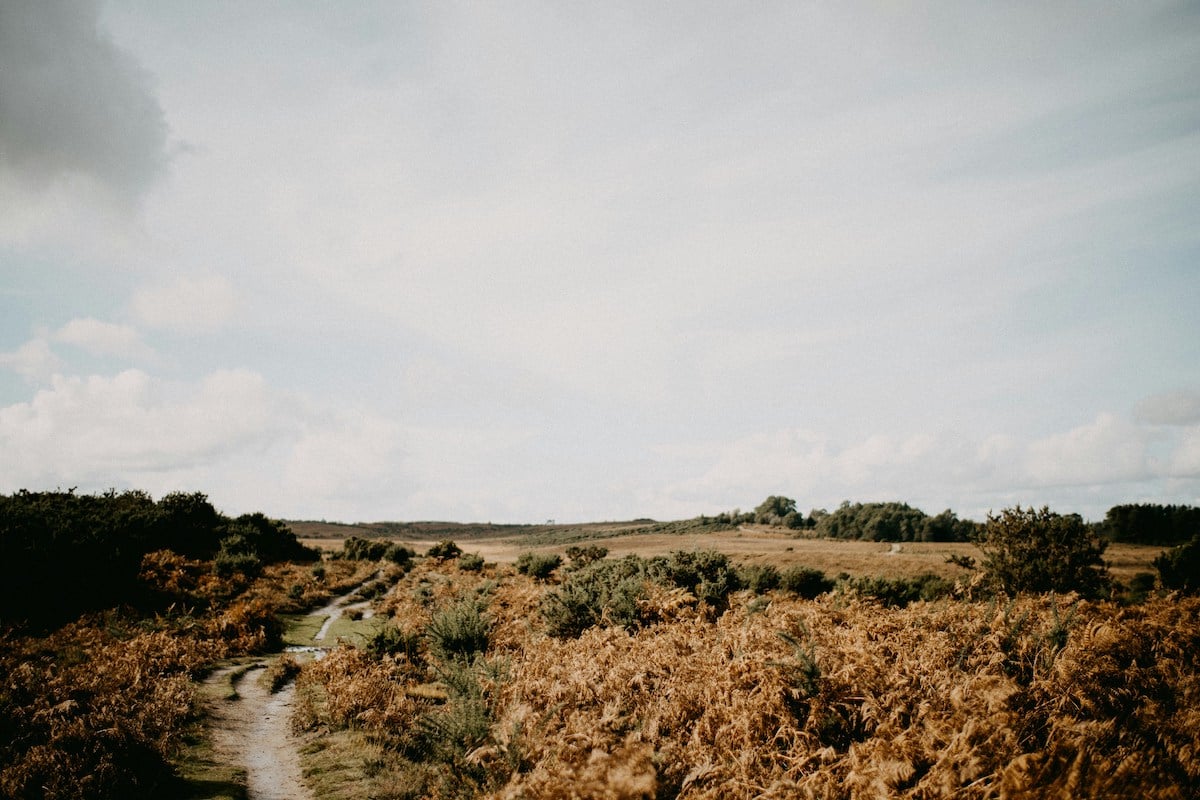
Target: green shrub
357, 548
805, 581
705, 573
1026, 550
471, 562
899, 592
1179, 567
444, 551
759, 578
603, 592
582, 556
390, 640
538, 565
459, 632
399, 554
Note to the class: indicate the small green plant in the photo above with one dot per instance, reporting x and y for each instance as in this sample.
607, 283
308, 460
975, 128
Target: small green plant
390, 640
399, 555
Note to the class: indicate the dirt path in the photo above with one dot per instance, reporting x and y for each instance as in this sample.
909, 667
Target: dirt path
254, 731
251, 727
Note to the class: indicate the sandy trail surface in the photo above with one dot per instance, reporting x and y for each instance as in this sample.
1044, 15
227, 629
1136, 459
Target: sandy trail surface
252, 727
254, 731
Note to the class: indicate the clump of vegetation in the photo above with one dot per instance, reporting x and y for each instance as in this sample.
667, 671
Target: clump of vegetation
459, 632
899, 592
1179, 567
805, 582
582, 556
1148, 523
538, 565
781, 512
759, 578
399, 555
470, 562
356, 548
891, 522
1029, 550
444, 551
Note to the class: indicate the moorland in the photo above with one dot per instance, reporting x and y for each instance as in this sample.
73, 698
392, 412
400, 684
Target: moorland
872, 651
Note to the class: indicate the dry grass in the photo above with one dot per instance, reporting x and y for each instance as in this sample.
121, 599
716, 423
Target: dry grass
783, 697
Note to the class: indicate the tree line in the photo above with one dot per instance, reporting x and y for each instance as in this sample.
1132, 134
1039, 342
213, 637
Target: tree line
65, 553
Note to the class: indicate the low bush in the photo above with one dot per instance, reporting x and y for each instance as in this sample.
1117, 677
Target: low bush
470, 562
759, 578
805, 582
444, 551
459, 632
399, 554
582, 556
899, 592
706, 574
538, 565
1179, 567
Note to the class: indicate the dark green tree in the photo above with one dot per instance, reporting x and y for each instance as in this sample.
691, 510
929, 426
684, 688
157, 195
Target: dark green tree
1179, 567
1030, 550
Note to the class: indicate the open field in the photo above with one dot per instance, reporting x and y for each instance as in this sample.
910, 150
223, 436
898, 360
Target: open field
752, 544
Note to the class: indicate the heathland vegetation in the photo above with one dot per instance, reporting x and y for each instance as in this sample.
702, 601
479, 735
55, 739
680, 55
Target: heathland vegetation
1024, 668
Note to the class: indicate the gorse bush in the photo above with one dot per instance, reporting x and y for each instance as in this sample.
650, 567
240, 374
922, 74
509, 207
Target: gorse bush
399, 555
459, 632
899, 592
470, 562
444, 551
759, 578
538, 565
582, 556
805, 581
1027, 550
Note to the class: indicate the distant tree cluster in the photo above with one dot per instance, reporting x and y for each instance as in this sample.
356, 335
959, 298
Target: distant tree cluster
891, 522
1151, 524
65, 553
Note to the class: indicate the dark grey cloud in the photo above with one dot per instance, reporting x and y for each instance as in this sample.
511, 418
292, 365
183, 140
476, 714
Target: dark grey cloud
72, 102
1171, 408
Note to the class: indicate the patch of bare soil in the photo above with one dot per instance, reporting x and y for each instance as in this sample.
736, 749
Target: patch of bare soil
252, 729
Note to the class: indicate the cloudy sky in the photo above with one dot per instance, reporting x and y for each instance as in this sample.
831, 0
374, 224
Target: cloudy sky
518, 261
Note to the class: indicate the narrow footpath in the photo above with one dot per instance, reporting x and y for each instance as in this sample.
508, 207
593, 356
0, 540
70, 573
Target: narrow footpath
251, 728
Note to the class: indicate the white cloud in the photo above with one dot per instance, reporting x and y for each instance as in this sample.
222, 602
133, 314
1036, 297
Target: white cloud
188, 304
97, 429
33, 360
1108, 450
104, 338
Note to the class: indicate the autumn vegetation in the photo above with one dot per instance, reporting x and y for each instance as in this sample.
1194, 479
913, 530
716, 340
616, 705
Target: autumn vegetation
685, 674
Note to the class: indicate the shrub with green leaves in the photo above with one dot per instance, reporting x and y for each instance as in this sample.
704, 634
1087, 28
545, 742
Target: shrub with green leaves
399, 555
706, 574
459, 631
1179, 567
582, 556
538, 565
470, 562
899, 592
602, 592
444, 551
759, 578
805, 582
1029, 550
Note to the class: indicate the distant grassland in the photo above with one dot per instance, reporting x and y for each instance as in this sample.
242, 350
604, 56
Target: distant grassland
751, 544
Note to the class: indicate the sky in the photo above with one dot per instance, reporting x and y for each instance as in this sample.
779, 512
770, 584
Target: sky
521, 261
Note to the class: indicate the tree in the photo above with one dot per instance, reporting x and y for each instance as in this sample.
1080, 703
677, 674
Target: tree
775, 510
1027, 550
1179, 567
